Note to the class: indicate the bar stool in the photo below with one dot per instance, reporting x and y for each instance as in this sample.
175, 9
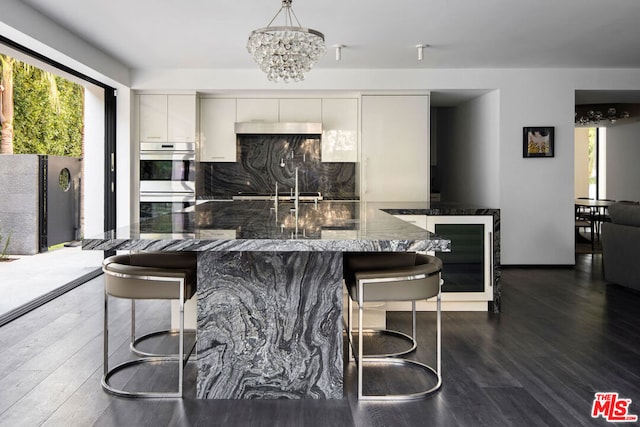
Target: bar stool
148, 275
393, 276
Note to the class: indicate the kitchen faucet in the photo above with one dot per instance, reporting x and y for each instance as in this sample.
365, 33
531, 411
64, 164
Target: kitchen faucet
295, 192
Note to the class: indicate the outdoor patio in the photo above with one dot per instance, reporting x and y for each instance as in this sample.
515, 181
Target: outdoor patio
30, 277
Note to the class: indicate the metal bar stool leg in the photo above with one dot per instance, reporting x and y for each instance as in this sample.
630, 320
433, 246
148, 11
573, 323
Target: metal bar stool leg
406, 283
126, 279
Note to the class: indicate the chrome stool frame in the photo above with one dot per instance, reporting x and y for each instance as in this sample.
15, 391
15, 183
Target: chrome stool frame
169, 277
389, 277
133, 346
411, 339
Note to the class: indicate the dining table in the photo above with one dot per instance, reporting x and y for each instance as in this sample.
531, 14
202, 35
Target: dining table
589, 213
594, 203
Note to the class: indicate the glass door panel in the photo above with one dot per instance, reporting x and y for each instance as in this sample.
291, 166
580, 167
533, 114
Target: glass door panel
463, 268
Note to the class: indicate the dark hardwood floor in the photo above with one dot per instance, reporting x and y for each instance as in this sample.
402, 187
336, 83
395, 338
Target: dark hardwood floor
563, 335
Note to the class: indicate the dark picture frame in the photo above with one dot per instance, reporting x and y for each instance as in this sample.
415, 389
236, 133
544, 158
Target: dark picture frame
538, 141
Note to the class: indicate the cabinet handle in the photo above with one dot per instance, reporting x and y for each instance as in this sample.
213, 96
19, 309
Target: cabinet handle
491, 258
152, 137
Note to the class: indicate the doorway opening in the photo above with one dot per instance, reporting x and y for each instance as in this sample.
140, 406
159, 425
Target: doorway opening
590, 162
48, 262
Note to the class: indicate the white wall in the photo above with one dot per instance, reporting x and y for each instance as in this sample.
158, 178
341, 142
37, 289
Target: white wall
623, 153
469, 145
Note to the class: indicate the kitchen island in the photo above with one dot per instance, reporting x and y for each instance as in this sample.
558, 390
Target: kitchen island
270, 287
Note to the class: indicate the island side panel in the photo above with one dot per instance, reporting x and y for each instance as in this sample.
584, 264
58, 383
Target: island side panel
270, 325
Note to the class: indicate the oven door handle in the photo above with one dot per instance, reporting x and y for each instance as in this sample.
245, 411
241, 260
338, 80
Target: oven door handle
162, 197
165, 155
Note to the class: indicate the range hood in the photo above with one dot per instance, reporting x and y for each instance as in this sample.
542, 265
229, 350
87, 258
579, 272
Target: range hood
278, 128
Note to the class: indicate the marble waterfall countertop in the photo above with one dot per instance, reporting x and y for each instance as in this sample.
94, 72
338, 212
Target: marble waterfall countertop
262, 226
270, 285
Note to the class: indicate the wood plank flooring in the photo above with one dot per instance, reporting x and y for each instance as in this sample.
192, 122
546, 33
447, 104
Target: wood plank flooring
562, 336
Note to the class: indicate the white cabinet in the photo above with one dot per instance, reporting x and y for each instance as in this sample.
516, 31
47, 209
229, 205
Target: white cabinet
339, 117
395, 148
217, 132
279, 110
300, 110
257, 109
167, 118
339, 130
153, 118
181, 118
418, 220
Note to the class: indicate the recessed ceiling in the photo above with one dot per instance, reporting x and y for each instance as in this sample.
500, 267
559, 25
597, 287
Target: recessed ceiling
376, 33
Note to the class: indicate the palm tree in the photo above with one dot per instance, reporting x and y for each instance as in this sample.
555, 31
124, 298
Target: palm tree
6, 104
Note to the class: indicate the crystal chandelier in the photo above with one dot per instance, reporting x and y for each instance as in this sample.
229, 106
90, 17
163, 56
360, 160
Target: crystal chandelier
286, 53
593, 117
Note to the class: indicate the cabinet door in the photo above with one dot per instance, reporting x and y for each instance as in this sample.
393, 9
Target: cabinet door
417, 220
395, 139
339, 130
153, 118
257, 109
217, 132
300, 110
181, 118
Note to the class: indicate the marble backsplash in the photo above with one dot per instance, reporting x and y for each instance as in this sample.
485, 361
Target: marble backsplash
264, 160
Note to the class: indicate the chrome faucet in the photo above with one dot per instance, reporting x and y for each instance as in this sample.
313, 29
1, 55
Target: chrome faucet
275, 202
297, 192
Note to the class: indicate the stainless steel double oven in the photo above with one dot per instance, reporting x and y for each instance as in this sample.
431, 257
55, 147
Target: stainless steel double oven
167, 177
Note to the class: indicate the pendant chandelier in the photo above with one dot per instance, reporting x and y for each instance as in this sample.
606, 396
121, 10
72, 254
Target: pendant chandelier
595, 115
286, 52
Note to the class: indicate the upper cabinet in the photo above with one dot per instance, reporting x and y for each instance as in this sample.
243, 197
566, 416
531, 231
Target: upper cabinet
257, 109
300, 110
339, 118
153, 118
181, 118
167, 118
217, 130
339, 130
279, 110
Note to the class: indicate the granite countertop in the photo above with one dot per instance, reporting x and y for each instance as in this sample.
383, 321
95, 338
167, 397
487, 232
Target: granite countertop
434, 208
259, 226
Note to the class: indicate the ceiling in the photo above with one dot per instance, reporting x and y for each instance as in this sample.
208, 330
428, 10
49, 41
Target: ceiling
376, 33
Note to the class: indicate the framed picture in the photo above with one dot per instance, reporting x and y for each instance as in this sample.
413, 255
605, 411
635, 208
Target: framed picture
537, 142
